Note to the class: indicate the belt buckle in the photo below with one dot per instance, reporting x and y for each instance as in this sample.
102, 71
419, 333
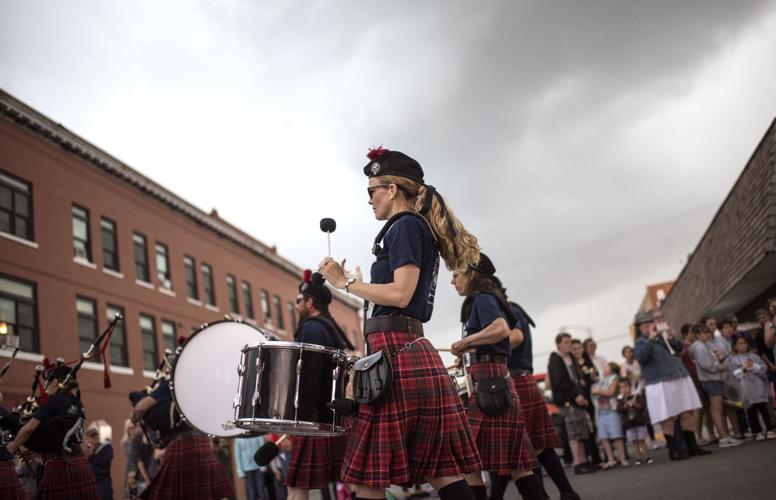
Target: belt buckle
467, 359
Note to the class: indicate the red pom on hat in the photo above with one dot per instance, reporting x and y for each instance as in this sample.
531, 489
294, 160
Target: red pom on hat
307, 276
46, 363
377, 153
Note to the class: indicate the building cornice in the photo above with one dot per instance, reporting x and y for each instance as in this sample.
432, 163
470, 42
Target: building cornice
24, 116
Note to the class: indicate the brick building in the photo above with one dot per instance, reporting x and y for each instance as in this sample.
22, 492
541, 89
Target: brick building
83, 236
733, 268
655, 295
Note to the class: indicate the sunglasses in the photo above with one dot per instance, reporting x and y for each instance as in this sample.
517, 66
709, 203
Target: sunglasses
371, 190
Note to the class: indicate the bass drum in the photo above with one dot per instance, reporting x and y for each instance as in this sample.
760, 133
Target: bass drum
204, 375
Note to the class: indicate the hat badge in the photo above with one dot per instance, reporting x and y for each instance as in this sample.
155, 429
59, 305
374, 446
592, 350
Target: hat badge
375, 168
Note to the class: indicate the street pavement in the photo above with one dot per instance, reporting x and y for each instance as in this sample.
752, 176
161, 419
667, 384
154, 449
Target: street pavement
746, 472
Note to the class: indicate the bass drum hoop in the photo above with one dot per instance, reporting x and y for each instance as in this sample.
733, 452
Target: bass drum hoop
178, 352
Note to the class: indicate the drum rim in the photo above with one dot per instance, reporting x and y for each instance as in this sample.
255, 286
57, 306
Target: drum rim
174, 364
279, 344
302, 425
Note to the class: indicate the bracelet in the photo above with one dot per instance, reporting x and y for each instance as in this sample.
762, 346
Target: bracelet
349, 282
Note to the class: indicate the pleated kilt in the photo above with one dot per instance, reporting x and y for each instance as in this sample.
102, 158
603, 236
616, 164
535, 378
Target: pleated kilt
503, 441
537, 418
69, 478
315, 461
10, 486
189, 470
419, 431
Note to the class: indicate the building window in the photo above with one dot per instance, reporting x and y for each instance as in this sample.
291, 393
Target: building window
231, 287
110, 248
279, 312
18, 312
248, 300
168, 335
15, 207
207, 283
292, 316
141, 258
163, 266
118, 339
82, 248
148, 340
87, 325
265, 307
190, 269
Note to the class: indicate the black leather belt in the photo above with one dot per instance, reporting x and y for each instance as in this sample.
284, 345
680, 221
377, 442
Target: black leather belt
404, 324
517, 372
488, 358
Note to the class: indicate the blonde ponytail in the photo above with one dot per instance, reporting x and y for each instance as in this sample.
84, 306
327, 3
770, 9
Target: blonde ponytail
459, 249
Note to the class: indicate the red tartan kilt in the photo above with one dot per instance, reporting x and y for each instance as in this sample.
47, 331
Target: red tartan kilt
315, 461
503, 441
62, 480
10, 486
189, 470
419, 431
538, 422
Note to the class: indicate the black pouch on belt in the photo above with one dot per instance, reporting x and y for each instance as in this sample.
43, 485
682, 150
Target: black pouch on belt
372, 378
493, 396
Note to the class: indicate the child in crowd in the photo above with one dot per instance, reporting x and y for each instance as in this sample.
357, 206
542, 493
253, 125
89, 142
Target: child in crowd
750, 375
608, 420
632, 410
711, 366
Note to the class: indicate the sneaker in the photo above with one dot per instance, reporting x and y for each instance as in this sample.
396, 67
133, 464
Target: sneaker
649, 461
637, 463
585, 468
748, 435
728, 442
771, 435
760, 436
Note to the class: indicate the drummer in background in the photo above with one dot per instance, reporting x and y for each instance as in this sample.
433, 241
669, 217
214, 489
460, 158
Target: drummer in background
418, 431
498, 425
66, 474
544, 437
189, 467
316, 460
10, 484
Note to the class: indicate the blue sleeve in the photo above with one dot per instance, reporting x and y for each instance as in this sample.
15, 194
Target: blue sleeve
162, 393
642, 349
313, 332
405, 242
487, 309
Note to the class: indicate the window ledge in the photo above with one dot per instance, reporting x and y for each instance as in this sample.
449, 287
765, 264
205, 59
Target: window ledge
166, 291
212, 308
149, 374
193, 301
84, 262
22, 355
111, 272
22, 241
98, 367
145, 284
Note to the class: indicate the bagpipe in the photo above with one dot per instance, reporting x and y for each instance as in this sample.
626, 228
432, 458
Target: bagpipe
163, 415
60, 432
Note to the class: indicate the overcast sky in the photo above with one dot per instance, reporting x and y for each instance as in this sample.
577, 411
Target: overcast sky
587, 144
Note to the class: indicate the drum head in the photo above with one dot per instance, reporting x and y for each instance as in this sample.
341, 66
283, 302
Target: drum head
204, 375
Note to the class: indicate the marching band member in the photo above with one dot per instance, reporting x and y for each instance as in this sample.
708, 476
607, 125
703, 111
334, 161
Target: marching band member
417, 431
544, 438
494, 409
189, 467
315, 461
10, 484
66, 472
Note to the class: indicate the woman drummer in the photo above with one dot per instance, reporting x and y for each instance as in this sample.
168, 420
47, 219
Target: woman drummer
418, 432
495, 417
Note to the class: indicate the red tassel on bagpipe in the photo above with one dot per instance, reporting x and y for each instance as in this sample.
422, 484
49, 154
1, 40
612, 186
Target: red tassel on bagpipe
106, 360
43, 398
377, 153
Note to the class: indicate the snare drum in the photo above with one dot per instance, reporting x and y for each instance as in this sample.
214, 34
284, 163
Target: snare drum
285, 387
203, 375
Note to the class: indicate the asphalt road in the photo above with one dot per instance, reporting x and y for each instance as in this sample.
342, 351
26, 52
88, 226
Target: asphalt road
746, 472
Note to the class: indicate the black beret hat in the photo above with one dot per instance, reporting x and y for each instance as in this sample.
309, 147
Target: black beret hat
485, 266
61, 372
310, 289
385, 162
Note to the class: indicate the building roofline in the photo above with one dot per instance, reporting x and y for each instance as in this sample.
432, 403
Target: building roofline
771, 130
15, 110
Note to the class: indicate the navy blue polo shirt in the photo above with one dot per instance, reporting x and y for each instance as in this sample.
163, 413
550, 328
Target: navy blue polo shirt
312, 331
162, 393
485, 310
522, 355
60, 404
408, 241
